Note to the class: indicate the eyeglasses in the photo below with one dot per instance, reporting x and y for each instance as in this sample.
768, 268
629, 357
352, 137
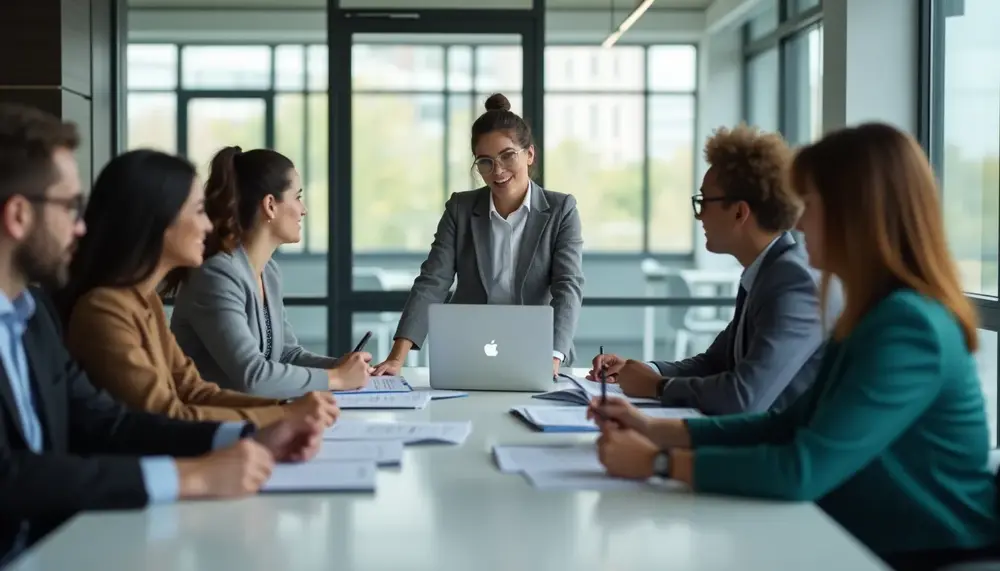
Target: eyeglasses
698, 201
75, 205
507, 159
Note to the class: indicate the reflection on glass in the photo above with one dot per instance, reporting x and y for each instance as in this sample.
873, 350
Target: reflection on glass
152, 121
151, 66
593, 68
804, 64
289, 67
762, 90
308, 323
594, 149
398, 178
397, 67
765, 21
971, 137
986, 360
217, 123
289, 140
226, 67
672, 68
671, 172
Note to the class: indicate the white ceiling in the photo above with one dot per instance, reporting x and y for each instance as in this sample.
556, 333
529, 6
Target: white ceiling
299, 4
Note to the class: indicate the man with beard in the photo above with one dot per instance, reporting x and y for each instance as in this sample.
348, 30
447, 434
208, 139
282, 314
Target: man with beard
64, 446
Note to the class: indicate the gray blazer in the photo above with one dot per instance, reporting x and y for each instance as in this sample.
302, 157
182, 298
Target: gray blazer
549, 268
783, 342
218, 320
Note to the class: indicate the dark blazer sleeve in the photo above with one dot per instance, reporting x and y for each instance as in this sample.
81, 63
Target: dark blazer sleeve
787, 333
567, 279
436, 276
101, 467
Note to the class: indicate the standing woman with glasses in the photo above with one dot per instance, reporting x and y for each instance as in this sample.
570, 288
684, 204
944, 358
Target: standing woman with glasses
509, 243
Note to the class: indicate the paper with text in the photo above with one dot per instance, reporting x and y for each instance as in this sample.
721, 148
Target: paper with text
411, 400
583, 480
593, 389
382, 384
382, 452
574, 418
408, 432
322, 476
547, 458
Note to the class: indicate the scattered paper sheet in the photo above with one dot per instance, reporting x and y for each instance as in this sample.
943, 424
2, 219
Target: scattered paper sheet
547, 458
586, 480
383, 384
412, 400
382, 452
408, 432
593, 389
440, 394
322, 476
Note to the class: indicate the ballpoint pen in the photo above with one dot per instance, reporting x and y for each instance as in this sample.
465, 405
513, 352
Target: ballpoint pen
604, 380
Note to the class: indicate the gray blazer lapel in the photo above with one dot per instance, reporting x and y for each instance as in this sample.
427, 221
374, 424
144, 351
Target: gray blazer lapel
538, 217
258, 307
272, 289
481, 237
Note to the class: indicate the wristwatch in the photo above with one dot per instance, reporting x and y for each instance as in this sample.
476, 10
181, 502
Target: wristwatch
661, 464
249, 429
661, 385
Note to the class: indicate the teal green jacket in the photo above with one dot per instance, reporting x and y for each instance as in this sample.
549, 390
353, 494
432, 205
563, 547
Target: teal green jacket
891, 440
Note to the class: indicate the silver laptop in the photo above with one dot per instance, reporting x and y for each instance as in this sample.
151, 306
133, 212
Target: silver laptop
490, 347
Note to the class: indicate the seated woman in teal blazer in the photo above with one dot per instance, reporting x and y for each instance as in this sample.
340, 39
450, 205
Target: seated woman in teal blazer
892, 438
228, 314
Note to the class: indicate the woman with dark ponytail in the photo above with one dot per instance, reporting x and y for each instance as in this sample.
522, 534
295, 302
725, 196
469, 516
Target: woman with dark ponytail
510, 242
228, 313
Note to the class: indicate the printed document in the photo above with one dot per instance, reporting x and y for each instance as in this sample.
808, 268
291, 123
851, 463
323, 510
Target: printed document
547, 458
322, 476
382, 452
383, 384
411, 400
408, 432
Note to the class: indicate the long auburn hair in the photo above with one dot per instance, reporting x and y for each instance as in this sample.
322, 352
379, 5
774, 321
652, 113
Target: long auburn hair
883, 228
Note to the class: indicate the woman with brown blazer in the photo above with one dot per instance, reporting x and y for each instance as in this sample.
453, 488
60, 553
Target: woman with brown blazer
146, 218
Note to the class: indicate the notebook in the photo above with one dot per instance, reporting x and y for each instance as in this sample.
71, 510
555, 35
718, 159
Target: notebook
574, 418
583, 390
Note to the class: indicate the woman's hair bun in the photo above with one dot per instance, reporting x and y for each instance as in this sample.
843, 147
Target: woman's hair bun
497, 102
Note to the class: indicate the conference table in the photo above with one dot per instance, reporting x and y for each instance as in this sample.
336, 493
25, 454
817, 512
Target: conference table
448, 508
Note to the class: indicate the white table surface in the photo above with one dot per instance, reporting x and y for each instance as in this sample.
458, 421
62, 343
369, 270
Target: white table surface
449, 509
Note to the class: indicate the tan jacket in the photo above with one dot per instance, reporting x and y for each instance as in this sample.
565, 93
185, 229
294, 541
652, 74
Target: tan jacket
122, 340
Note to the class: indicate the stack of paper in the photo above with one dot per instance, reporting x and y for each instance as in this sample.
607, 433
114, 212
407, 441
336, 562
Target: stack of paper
407, 432
438, 394
411, 400
322, 477
382, 452
383, 384
561, 467
574, 418
583, 390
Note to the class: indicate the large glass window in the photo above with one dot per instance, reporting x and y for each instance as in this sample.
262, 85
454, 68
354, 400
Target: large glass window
619, 130
967, 99
804, 86
762, 90
619, 126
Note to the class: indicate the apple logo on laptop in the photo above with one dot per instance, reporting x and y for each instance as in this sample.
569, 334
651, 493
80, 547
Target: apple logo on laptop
490, 348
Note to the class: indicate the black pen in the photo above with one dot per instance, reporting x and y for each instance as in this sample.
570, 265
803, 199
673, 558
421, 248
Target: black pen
364, 341
604, 380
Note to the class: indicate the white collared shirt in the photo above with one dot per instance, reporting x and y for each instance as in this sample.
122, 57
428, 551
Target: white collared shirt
506, 236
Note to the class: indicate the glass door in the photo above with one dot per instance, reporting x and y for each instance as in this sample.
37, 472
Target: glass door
402, 114
216, 122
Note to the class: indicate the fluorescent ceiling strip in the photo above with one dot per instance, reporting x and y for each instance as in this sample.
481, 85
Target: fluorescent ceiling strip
635, 15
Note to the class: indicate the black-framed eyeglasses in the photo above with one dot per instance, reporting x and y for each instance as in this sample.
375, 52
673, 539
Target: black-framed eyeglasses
75, 205
698, 201
507, 159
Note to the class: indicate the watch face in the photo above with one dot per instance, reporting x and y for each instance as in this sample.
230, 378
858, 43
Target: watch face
661, 464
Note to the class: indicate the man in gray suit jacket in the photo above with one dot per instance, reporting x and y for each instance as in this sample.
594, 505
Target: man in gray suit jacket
770, 352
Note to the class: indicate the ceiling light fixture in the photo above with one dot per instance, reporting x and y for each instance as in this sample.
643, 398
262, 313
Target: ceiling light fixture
635, 15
